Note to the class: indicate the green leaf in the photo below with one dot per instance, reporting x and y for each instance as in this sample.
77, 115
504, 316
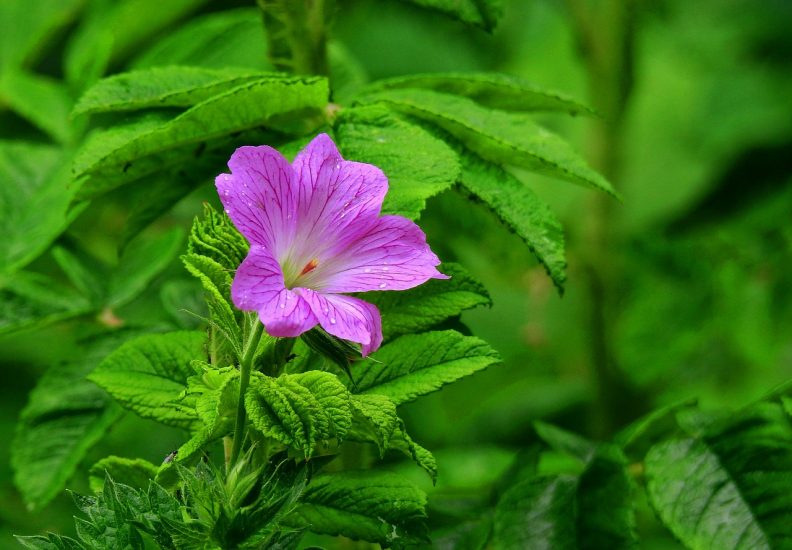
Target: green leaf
176, 86
729, 487
374, 506
535, 513
28, 26
33, 300
215, 237
636, 439
216, 283
43, 101
78, 273
417, 364
520, 210
34, 201
497, 91
247, 106
417, 164
374, 419
431, 303
480, 13
115, 30
151, 202
299, 410
143, 259
134, 472
65, 416
501, 137
149, 374
232, 38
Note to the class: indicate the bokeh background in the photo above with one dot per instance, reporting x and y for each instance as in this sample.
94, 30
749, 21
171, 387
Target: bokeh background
683, 291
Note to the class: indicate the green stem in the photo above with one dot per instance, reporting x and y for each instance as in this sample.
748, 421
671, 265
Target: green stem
297, 34
245, 366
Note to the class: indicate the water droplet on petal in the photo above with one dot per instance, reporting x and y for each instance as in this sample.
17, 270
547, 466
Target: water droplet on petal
332, 321
283, 305
386, 268
383, 285
367, 270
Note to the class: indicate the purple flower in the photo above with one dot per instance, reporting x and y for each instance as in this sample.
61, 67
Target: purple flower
315, 232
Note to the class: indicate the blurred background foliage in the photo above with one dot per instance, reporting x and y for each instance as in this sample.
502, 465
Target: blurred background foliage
684, 291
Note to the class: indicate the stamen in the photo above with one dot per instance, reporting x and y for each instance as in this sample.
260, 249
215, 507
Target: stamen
310, 266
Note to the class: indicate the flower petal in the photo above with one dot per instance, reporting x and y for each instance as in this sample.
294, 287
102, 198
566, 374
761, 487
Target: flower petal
334, 195
258, 286
391, 255
259, 196
347, 317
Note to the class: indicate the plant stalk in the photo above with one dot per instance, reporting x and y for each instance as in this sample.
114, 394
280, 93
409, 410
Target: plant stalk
296, 32
245, 366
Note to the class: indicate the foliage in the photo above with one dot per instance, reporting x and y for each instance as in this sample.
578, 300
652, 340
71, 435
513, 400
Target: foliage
276, 443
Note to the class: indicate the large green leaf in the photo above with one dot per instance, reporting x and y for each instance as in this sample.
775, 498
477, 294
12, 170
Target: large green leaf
299, 410
110, 154
591, 509
520, 210
34, 201
232, 38
431, 303
134, 472
498, 91
417, 164
417, 364
730, 486
176, 86
374, 506
65, 416
148, 375
501, 137
481, 13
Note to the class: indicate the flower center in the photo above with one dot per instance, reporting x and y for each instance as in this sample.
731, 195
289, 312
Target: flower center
294, 278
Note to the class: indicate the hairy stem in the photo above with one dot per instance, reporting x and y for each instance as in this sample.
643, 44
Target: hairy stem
297, 34
606, 37
245, 366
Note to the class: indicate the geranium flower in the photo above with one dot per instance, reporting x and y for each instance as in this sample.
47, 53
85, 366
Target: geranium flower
315, 233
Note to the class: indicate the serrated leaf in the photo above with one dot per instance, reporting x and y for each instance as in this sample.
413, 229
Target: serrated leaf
374, 419
231, 38
417, 164
34, 201
730, 487
134, 472
494, 90
149, 374
50, 542
498, 136
34, 300
431, 303
480, 13
247, 106
65, 416
520, 210
141, 261
417, 364
43, 101
216, 283
173, 86
299, 410
374, 506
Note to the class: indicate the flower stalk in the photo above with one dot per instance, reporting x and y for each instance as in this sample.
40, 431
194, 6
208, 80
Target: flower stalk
245, 366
